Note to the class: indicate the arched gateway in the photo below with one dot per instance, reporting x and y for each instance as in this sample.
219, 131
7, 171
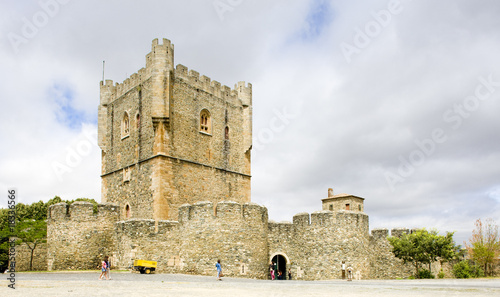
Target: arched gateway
281, 261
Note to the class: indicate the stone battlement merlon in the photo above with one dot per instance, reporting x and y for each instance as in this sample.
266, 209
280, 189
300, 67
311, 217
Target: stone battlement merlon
380, 233
241, 94
82, 211
205, 211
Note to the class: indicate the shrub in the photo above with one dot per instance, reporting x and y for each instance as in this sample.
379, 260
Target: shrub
424, 273
462, 270
441, 273
476, 271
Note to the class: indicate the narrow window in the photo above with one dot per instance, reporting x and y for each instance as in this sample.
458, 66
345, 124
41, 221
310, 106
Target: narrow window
126, 174
138, 121
205, 122
127, 211
226, 133
359, 207
331, 206
347, 206
125, 125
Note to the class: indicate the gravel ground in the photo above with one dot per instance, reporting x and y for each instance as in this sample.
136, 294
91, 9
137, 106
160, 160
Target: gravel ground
132, 284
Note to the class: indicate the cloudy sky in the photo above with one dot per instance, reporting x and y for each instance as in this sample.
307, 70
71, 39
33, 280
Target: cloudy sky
393, 101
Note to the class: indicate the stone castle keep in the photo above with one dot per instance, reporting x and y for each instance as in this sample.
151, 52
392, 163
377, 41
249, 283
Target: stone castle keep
176, 155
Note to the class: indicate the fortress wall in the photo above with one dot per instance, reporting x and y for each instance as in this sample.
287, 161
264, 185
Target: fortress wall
23, 255
142, 239
330, 238
383, 263
77, 238
281, 239
232, 232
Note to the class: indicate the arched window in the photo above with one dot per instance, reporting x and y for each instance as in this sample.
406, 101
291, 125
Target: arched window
205, 122
125, 125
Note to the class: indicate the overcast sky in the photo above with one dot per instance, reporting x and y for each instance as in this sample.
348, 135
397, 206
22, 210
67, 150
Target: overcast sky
394, 101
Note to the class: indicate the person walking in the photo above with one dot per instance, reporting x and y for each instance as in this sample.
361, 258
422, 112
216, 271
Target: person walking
219, 270
289, 273
103, 269
108, 267
349, 273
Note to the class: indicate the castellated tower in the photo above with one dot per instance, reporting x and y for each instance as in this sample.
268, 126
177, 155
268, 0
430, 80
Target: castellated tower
170, 137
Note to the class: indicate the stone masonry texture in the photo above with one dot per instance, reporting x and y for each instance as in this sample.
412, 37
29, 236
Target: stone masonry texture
176, 155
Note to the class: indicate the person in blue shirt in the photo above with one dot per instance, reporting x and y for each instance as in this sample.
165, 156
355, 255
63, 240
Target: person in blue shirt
219, 269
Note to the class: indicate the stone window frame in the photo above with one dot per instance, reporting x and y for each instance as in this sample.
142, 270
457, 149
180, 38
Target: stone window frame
125, 125
126, 174
205, 126
138, 121
243, 269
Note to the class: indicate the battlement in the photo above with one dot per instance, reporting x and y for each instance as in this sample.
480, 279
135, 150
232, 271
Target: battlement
160, 59
82, 211
226, 210
241, 94
383, 233
380, 233
342, 221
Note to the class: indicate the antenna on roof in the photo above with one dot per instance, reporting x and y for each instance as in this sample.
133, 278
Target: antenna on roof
103, 63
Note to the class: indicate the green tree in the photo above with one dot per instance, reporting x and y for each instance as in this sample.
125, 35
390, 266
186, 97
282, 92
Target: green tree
484, 244
423, 247
32, 233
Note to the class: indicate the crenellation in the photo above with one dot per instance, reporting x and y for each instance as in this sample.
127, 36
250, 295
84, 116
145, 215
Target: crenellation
229, 210
398, 232
58, 211
322, 218
81, 210
205, 83
181, 71
380, 233
255, 212
201, 211
194, 78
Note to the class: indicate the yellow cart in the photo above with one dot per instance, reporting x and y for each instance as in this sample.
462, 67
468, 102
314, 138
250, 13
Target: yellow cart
144, 266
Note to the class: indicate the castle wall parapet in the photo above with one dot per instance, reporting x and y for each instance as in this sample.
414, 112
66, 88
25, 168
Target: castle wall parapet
398, 232
83, 211
241, 92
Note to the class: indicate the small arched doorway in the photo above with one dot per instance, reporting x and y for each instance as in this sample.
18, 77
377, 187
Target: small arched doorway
280, 261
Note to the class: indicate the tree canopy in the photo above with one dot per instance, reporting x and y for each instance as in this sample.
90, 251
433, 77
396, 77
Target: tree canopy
484, 244
423, 247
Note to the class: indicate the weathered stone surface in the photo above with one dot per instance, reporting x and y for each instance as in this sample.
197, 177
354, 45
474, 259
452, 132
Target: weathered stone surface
180, 195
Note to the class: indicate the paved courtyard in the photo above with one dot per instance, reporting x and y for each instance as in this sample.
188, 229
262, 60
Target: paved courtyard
131, 284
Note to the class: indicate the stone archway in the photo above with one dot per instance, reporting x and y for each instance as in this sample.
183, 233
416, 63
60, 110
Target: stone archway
281, 261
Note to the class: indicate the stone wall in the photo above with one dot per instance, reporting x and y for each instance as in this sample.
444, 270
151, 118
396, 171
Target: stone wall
383, 263
77, 238
23, 256
232, 232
